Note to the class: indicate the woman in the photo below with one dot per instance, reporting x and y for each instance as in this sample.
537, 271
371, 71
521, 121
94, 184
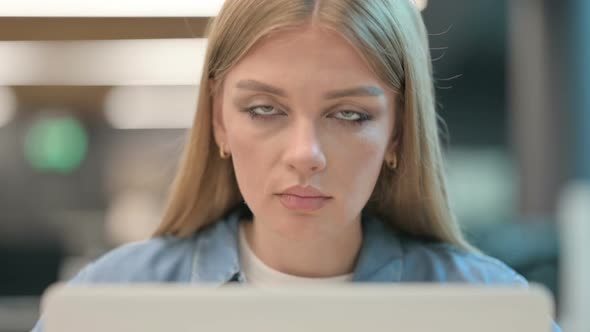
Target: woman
314, 158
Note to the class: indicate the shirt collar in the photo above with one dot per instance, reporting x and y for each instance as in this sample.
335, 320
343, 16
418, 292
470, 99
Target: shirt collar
380, 257
216, 253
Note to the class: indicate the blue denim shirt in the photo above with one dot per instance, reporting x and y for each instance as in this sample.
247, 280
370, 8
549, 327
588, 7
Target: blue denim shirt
211, 256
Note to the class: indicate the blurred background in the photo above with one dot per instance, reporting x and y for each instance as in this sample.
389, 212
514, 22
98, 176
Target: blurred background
95, 103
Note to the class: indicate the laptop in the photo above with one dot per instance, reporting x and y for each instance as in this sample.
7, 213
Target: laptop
376, 307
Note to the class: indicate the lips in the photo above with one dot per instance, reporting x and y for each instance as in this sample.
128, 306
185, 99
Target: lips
304, 192
303, 198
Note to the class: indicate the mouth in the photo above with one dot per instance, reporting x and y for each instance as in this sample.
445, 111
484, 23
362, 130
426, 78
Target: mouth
303, 198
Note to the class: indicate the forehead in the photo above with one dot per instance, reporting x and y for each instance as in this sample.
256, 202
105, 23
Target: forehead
308, 55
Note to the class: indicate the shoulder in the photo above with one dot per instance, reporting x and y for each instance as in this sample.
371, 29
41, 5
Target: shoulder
162, 259
443, 262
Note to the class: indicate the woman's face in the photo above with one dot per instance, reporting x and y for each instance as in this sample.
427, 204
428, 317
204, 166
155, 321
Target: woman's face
308, 126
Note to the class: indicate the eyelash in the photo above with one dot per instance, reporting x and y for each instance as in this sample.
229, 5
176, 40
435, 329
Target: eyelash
363, 117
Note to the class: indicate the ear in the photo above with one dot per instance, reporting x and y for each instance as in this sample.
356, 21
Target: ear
219, 132
396, 134
392, 148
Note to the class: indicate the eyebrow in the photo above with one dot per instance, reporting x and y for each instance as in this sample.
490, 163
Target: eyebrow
261, 87
360, 91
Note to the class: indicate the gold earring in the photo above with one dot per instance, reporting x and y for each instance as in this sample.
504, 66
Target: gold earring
222, 153
392, 164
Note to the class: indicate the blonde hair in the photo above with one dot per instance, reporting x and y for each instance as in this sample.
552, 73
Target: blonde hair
392, 38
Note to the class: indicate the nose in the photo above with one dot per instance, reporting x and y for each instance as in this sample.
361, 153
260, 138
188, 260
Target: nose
304, 152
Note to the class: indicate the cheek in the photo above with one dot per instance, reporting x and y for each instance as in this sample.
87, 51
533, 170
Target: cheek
252, 159
359, 165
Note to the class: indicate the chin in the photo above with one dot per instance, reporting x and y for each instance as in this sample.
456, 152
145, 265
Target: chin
302, 223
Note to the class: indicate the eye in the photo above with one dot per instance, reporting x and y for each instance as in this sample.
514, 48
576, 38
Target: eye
352, 117
348, 115
262, 111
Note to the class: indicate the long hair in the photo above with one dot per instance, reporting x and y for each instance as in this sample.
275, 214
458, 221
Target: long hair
391, 37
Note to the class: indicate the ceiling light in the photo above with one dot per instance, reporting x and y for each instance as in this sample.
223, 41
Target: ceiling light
421, 4
149, 107
102, 62
120, 8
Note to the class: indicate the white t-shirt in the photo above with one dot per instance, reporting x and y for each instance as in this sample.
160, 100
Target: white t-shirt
259, 274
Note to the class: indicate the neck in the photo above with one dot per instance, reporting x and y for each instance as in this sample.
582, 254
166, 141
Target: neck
307, 255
